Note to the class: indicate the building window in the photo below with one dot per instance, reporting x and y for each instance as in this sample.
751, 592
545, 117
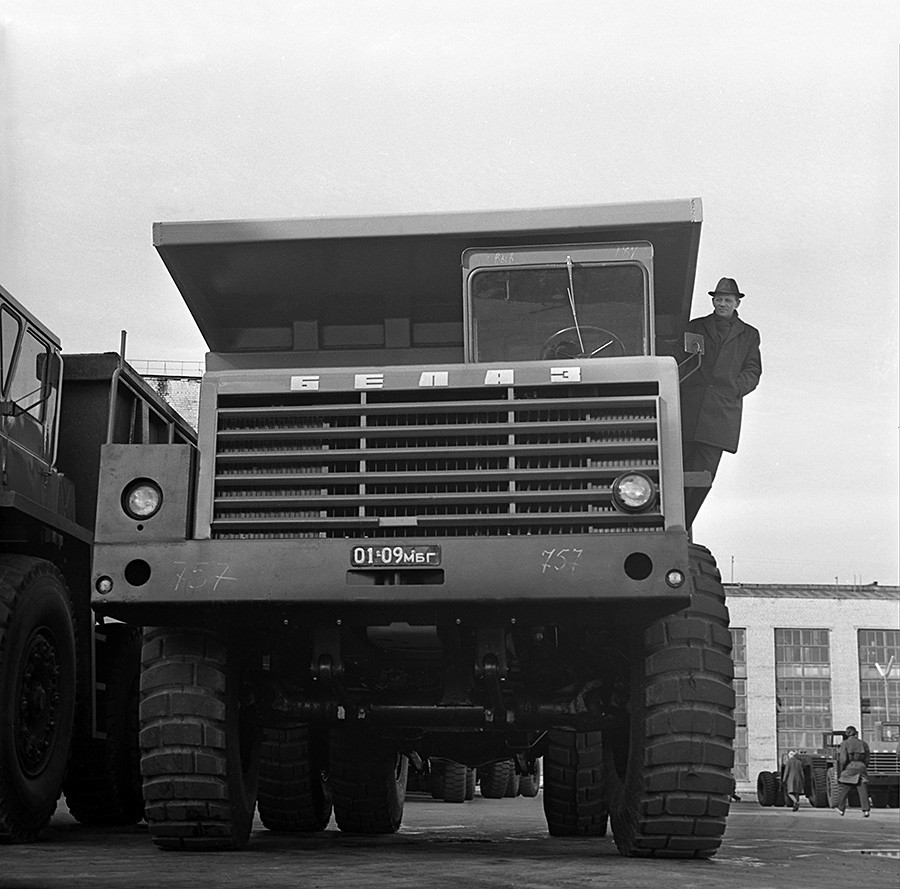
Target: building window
739, 653
802, 688
879, 689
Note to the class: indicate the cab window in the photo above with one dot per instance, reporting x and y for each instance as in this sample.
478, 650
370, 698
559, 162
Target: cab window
9, 333
30, 383
557, 303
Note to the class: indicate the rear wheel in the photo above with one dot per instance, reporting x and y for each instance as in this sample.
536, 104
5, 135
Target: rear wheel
671, 784
494, 778
37, 693
531, 783
368, 782
200, 745
512, 785
294, 796
829, 785
454, 782
781, 798
575, 800
436, 777
470, 784
766, 784
818, 790
103, 785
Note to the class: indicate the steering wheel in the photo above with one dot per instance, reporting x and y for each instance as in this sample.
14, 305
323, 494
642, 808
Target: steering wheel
598, 343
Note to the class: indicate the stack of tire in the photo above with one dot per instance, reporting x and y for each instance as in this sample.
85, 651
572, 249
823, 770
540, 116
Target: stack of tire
769, 791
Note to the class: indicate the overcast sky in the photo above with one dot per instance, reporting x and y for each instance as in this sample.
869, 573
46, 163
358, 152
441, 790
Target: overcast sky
782, 117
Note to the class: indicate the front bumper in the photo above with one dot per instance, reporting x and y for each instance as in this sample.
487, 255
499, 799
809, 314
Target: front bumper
539, 572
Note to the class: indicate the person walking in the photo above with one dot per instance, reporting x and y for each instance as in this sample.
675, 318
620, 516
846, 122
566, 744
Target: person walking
793, 779
852, 771
712, 397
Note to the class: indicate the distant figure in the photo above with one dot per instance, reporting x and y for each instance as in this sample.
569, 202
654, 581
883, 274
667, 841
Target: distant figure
793, 779
852, 768
711, 398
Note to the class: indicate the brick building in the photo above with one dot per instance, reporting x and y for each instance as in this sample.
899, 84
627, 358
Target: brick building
809, 659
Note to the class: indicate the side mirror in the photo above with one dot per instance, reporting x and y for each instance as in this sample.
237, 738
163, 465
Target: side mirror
47, 367
694, 344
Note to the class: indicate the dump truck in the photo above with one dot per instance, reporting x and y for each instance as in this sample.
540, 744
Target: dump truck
820, 774
68, 680
437, 512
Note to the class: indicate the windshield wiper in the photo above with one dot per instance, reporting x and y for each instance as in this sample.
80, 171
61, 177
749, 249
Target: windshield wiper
571, 291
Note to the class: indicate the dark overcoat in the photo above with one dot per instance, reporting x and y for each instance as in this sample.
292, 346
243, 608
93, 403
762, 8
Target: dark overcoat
793, 776
711, 398
853, 760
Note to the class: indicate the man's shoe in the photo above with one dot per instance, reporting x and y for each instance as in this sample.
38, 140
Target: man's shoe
795, 807
839, 811
866, 814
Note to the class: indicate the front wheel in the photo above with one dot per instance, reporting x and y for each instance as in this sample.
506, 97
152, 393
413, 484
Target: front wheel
37, 693
200, 744
671, 782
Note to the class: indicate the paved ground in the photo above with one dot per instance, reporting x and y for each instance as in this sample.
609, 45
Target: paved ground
482, 843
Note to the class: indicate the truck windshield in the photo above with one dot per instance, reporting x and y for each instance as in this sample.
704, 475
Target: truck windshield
561, 311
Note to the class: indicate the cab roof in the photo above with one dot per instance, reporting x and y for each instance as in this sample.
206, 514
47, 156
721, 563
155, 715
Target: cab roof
240, 275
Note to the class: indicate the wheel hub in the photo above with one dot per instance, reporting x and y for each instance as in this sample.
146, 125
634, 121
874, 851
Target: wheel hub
38, 704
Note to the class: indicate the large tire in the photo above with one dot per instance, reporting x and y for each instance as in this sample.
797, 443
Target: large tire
766, 784
781, 798
470, 784
454, 786
494, 778
671, 785
830, 781
818, 787
200, 745
37, 693
531, 783
512, 785
294, 795
368, 782
575, 797
103, 784
436, 777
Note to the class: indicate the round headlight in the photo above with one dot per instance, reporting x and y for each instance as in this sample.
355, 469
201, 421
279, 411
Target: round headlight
633, 491
142, 499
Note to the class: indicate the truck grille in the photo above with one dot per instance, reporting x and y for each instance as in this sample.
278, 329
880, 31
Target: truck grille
446, 463
884, 761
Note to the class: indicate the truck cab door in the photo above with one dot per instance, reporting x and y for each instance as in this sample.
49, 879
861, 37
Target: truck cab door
31, 370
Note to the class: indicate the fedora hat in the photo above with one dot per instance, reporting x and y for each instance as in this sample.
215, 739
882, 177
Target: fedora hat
727, 287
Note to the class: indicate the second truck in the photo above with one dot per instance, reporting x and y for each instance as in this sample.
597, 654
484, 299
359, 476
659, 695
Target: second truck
436, 511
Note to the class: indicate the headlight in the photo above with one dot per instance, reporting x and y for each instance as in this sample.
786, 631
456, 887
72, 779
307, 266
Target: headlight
633, 492
142, 499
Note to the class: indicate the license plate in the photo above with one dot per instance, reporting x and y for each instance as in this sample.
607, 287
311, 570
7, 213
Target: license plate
403, 556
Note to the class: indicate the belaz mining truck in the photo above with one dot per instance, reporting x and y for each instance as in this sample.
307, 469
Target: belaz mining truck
436, 511
68, 680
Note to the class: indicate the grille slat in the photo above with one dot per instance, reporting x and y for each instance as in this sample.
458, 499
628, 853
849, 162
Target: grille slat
472, 451
646, 424
467, 462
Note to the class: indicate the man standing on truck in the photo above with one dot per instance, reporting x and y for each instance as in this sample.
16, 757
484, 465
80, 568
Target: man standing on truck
711, 398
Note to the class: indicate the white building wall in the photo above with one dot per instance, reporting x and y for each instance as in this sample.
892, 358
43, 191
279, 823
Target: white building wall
760, 617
